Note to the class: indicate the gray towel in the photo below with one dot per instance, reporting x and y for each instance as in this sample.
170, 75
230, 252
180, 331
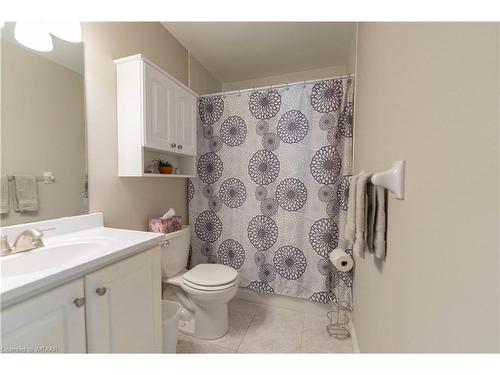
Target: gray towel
4, 192
371, 212
25, 192
350, 225
379, 243
360, 241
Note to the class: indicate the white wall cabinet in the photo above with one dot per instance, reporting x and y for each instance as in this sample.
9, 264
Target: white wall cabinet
159, 100
185, 118
116, 309
157, 118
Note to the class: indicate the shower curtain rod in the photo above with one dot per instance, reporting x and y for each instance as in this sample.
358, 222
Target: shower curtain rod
279, 86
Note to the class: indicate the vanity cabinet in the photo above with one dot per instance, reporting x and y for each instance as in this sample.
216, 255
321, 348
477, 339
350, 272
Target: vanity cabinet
116, 309
157, 118
123, 306
51, 322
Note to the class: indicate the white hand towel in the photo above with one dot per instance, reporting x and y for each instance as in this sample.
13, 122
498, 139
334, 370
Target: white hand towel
379, 242
350, 225
4, 192
25, 193
360, 241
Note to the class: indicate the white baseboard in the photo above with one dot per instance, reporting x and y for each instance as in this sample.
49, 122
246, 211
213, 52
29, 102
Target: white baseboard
291, 303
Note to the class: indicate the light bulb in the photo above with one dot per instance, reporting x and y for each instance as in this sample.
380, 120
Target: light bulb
69, 31
33, 35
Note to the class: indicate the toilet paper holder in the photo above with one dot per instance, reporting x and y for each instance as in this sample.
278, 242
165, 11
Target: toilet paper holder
341, 301
339, 326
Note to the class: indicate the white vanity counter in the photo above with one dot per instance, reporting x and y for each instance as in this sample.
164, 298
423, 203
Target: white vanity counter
77, 246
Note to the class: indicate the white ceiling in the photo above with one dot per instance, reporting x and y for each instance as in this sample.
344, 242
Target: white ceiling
236, 51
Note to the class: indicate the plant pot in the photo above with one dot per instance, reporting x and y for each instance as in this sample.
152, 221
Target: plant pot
165, 170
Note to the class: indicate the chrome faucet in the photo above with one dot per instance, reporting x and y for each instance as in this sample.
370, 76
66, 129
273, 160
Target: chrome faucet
27, 240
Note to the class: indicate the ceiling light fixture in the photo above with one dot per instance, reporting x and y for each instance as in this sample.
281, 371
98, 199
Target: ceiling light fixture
34, 35
69, 31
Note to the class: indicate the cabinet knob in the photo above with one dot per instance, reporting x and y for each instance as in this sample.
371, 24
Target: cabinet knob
164, 243
79, 302
179, 147
173, 145
101, 291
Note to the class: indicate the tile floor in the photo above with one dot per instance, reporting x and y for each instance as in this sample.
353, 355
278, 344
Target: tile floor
257, 328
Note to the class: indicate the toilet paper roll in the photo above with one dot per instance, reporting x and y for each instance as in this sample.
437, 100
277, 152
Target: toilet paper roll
341, 260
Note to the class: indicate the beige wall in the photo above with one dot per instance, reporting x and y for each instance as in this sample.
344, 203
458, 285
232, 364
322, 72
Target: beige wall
284, 78
43, 129
498, 154
428, 93
350, 65
200, 79
127, 202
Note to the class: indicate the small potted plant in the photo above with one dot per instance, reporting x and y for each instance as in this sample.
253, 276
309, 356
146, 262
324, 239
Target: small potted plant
164, 167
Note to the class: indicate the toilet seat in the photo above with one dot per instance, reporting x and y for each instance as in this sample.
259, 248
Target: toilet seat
210, 277
206, 278
203, 288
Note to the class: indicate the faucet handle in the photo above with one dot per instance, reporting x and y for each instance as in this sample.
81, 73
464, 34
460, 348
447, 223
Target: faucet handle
5, 248
46, 229
38, 234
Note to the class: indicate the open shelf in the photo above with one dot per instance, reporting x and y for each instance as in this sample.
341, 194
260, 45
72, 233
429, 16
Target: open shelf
167, 175
186, 164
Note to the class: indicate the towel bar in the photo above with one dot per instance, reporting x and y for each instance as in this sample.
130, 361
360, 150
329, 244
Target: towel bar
392, 179
47, 178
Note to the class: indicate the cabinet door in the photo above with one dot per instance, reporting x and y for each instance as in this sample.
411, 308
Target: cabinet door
124, 306
51, 322
159, 131
185, 121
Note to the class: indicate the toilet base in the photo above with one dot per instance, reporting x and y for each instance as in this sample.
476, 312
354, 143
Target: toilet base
198, 318
204, 325
211, 321
186, 326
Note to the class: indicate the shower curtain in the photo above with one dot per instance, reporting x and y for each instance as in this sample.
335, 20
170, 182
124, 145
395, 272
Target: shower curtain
272, 185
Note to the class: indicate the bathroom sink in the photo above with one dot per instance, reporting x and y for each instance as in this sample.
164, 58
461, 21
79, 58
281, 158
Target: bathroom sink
78, 246
57, 255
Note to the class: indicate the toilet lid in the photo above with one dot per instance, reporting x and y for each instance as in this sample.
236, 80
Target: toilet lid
210, 275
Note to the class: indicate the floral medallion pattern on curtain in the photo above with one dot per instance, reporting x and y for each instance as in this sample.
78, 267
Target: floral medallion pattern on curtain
272, 186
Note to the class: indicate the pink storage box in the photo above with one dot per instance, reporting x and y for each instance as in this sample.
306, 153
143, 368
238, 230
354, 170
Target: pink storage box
159, 225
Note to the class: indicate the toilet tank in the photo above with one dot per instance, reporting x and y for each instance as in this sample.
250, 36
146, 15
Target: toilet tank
174, 256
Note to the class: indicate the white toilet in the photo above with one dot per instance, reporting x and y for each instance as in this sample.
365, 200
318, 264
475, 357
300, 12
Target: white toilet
203, 291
